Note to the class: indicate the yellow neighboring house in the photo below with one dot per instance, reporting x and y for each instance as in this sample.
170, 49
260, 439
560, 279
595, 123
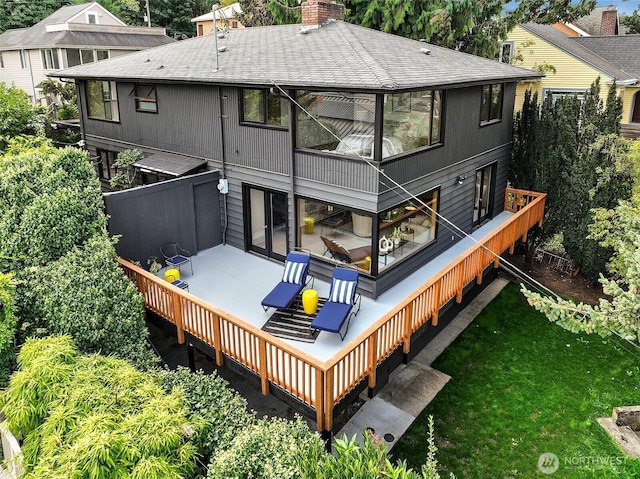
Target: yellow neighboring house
572, 63
225, 18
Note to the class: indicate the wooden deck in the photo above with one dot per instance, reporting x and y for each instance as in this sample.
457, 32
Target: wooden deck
322, 383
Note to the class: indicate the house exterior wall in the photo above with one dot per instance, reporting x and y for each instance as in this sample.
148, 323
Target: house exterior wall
204, 121
14, 74
571, 73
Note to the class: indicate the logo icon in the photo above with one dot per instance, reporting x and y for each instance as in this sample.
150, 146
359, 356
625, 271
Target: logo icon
548, 463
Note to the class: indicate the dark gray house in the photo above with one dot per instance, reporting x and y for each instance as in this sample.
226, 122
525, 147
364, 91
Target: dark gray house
326, 136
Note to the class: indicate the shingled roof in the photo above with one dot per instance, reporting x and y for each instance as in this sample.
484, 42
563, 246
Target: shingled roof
81, 36
621, 51
337, 55
580, 48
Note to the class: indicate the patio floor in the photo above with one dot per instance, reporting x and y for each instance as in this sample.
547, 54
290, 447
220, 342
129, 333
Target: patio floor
235, 281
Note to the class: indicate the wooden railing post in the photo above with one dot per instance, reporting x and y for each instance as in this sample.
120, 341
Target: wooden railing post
264, 375
177, 316
372, 349
436, 301
328, 399
461, 270
319, 399
408, 327
217, 339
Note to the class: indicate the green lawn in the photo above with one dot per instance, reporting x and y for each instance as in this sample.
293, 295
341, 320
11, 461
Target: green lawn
522, 386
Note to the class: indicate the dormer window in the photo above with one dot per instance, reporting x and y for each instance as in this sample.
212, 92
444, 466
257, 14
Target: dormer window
92, 18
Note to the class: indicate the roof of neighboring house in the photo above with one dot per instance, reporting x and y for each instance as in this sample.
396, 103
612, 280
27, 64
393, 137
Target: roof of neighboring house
81, 35
573, 46
337, 55
622, 51
226, 12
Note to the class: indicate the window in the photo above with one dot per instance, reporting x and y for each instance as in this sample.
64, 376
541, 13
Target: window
506, 52
80, 57
49, 59
491, 109
146, 98
92, 18
102, 100
559, 93
409, 226
23, 59
339, 122
264, 107
105, 166
1, 61
234, 24
412, 120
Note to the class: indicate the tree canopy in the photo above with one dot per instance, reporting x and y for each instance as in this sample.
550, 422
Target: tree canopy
632, 22
470, 26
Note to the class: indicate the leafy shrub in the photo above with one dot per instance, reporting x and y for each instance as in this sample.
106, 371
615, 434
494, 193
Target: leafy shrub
220, 411
351, 460
93, 416
86, 296
266, 450
50, 200
17, 115
7, 328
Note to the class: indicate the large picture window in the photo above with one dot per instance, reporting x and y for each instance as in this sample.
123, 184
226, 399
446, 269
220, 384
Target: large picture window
412, 120
102, 100
491, 109
340, 234
339, 122
264, 107
146, 98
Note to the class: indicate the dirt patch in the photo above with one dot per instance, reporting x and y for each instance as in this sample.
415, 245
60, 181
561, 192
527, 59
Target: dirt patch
566, 285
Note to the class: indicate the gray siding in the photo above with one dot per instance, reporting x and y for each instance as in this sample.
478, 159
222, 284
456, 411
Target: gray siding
187, 122
204, 121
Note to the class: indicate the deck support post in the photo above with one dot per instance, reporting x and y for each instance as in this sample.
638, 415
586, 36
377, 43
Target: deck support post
191, 357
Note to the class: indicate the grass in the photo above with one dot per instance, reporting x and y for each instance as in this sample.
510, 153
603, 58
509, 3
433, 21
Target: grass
522, 386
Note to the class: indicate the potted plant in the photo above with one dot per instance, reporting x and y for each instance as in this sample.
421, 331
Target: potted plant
396, 236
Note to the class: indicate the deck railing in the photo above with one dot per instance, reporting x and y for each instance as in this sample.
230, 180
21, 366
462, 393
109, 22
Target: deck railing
323, 384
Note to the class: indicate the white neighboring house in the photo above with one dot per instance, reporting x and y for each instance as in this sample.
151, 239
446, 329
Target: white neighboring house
73, 35
226, 17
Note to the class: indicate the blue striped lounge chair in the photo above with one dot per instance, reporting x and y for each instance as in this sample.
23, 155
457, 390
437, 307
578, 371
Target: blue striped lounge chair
294, 279
343, 303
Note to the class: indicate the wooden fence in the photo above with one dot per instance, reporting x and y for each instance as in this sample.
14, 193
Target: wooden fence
323, 384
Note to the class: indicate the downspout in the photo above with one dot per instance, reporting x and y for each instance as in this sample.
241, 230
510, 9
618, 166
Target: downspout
33, 86
223, 117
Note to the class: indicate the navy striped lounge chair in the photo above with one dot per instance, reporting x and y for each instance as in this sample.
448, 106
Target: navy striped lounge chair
343, 303
294, 279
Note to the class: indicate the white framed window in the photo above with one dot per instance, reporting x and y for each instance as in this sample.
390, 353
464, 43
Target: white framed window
506, 52
1, 61
562, 92
92, 18
23, 59
49, 59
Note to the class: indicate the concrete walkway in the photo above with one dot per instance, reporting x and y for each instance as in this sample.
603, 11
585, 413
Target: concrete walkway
412, 386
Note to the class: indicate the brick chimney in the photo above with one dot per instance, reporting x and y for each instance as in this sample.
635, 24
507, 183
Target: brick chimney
609, 24
318, 12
